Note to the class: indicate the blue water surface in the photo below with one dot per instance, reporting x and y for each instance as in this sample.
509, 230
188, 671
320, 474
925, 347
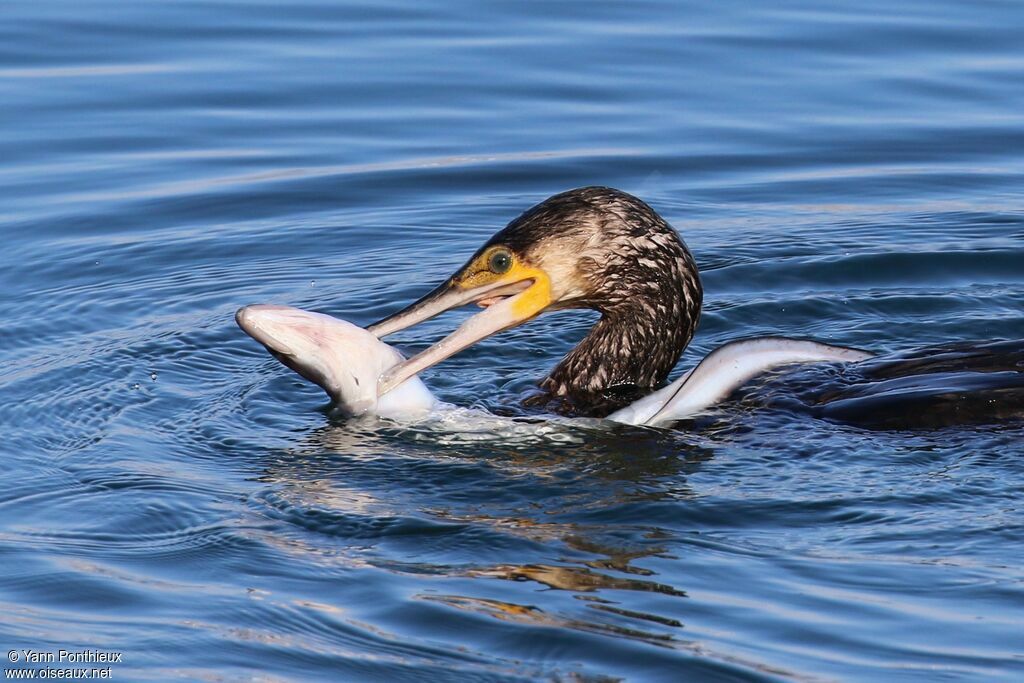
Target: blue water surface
851, 171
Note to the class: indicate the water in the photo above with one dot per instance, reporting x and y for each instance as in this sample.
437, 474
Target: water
847, 171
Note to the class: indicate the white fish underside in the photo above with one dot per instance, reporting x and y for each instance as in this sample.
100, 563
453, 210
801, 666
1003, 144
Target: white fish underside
346, 361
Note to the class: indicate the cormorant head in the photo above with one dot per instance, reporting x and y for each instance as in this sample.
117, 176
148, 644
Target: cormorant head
592, 247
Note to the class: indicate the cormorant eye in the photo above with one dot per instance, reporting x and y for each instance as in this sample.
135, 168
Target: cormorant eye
500, 262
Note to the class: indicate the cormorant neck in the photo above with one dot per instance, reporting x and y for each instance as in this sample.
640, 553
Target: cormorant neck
627, 354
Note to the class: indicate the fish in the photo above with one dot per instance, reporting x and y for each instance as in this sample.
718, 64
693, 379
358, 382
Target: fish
343, 359
348, 362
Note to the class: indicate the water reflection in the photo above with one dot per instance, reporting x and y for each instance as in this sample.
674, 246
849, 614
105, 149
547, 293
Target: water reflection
532, 615
535, 616
497, 511
573, 579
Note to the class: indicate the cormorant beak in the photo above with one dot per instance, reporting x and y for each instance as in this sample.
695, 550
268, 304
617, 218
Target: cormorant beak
510, 299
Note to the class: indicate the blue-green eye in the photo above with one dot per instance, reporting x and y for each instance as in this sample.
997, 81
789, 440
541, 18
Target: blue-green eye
500, 261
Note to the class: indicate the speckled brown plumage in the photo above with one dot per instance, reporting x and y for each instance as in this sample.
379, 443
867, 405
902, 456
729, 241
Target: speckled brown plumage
611, 252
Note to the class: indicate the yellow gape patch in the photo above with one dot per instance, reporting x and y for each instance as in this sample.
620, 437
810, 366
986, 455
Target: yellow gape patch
527, 304
537, 297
